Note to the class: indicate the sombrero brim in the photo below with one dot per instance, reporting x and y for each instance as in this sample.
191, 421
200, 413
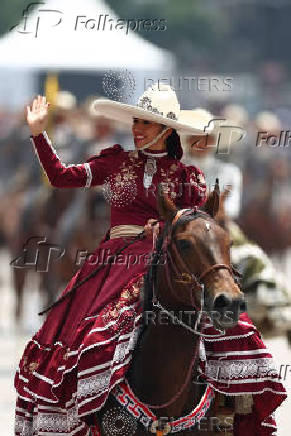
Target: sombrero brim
125, 113
215, 125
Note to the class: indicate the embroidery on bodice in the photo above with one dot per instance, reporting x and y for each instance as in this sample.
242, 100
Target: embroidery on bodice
198, 181
120, 189
170, 181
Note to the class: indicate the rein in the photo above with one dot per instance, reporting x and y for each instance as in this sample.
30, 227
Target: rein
72, 291
188, 278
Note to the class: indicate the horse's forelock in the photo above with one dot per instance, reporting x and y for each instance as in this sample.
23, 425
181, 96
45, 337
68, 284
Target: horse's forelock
190, 216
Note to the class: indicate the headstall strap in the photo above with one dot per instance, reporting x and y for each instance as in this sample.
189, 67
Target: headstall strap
186, 277
233, 271
214, 267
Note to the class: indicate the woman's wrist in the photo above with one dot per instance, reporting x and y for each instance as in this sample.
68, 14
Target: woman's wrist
36, 132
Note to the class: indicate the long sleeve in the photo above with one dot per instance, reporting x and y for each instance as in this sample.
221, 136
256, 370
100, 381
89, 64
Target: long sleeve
91, 173
194, 188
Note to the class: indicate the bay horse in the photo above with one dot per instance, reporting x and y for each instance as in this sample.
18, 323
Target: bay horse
163, 375
44, 218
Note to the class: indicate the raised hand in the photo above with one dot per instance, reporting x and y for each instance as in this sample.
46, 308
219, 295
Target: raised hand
37, 115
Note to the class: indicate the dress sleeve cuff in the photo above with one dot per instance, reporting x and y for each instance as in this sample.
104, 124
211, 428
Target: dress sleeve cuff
40, 135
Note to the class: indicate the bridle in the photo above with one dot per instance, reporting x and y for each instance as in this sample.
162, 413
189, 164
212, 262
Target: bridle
183, 275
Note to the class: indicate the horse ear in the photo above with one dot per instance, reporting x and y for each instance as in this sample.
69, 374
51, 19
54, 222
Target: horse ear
221, 216
166, 208
212, 203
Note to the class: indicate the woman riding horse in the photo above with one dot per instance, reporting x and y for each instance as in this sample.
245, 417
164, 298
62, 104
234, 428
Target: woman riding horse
84, 348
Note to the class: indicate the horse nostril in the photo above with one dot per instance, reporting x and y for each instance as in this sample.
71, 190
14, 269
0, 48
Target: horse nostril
221, 302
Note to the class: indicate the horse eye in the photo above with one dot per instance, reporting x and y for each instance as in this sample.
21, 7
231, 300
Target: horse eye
184, 244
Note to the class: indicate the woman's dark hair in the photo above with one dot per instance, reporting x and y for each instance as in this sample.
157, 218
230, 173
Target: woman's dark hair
174, 147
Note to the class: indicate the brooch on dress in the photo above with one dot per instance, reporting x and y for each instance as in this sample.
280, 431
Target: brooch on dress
150, 169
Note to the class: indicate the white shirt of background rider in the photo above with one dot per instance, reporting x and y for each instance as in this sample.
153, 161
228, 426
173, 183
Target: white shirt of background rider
229, 175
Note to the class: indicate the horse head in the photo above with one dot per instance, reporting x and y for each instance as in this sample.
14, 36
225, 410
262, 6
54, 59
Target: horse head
197, 273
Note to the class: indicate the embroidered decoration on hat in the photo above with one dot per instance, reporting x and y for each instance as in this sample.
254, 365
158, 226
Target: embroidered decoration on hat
146, 104
172, 116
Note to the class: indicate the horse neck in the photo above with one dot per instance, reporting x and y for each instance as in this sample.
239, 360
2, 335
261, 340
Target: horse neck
160, 367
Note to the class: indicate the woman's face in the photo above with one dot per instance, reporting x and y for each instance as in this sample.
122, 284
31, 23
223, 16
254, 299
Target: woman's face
144, 131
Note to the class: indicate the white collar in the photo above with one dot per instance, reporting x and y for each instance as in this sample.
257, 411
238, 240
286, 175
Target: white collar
164, 153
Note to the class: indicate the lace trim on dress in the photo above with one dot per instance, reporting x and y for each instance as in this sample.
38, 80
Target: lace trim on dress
233, 369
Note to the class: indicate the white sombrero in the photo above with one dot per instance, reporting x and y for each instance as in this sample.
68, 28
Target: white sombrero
158, 104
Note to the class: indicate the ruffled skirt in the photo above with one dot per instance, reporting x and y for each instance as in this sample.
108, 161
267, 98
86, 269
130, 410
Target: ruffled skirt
84, 349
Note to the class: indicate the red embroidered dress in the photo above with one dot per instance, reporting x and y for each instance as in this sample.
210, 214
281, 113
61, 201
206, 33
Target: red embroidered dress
84, 347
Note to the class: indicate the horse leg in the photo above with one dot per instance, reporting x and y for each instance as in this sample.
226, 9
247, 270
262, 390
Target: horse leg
49, 288
18, 284
220, 419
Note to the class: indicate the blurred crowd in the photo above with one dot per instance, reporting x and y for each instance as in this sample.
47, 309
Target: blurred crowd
254, 175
